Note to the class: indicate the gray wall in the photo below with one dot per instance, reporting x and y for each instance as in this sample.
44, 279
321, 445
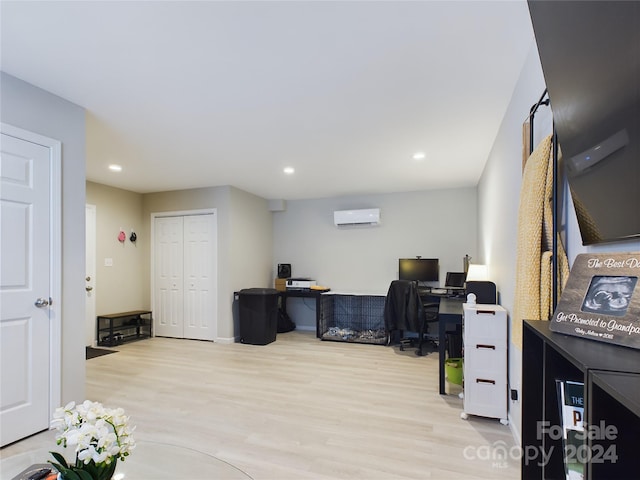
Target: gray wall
252, 241
125, 285
250, 255
36, 110
432, 224
498, 199
499, 195
245, 245
244, 240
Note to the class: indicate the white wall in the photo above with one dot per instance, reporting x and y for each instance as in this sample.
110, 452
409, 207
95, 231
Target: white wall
432, 224
36, 110
498, 198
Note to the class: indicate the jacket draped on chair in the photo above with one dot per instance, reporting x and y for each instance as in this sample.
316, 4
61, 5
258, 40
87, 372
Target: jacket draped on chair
403, 308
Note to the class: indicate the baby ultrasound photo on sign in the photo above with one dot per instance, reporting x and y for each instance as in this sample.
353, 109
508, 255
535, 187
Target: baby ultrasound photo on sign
609, 295
601, 299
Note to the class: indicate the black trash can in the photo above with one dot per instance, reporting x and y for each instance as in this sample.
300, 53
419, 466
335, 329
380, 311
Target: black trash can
258, 315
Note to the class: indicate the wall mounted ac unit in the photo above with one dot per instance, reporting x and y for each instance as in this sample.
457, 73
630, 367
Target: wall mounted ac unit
369, 216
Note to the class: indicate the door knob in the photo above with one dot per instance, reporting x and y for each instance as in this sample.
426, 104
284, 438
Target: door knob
88, 288
41, 302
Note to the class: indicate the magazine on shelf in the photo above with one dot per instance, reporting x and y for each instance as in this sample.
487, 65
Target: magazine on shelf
571, 402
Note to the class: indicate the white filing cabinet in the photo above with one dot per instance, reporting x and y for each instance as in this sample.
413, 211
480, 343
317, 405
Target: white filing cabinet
485, 361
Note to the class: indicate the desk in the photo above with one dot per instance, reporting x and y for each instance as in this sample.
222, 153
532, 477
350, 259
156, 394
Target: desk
149, 460
449, 313
284, 294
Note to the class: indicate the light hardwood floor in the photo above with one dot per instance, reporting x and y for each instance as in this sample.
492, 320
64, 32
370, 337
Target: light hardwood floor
299, 408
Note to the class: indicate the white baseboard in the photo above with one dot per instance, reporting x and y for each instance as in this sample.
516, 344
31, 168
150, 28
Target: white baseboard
227, 340
514, 430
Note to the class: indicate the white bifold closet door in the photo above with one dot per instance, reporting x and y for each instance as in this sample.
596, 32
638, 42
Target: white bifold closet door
185, 271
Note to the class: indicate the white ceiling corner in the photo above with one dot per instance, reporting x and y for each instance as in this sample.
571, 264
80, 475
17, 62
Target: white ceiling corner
190, 94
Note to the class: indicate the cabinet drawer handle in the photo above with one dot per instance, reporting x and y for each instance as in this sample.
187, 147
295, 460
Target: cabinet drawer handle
486, 312
484, 380
492, 347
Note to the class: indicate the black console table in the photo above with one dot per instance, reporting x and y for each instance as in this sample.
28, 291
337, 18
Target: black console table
611, 377
338, 312
314, 294
116, 328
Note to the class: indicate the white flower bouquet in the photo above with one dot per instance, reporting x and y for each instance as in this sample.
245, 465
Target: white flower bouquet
101, 437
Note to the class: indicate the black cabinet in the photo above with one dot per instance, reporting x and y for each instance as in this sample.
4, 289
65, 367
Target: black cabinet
117, 328
611, 376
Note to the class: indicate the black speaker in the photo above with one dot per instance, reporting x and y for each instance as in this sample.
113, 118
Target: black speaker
284, 270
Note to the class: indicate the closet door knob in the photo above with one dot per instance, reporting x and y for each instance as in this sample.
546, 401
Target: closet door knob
41, 302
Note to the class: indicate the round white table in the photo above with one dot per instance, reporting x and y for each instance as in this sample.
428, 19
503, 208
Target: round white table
148, 461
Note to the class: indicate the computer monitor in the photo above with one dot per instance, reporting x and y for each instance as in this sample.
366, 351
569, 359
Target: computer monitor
455, 279
418, 269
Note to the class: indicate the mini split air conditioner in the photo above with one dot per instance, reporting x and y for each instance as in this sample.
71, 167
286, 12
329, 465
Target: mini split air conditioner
369, 216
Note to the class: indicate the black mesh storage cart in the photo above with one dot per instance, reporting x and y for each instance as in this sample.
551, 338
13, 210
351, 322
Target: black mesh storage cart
258, 315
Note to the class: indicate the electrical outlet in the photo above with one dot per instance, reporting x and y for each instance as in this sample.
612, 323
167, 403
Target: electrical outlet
514, 394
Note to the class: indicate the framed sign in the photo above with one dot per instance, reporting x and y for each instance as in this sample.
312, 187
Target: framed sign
601, 300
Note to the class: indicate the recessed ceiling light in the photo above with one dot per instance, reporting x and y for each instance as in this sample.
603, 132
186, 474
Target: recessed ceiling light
419, 156
115, 168
289, 170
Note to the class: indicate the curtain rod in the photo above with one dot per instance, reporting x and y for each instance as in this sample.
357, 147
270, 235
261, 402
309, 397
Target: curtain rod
532, 113
534, 108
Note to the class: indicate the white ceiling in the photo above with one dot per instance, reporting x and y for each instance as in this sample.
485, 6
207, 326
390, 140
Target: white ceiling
193, 94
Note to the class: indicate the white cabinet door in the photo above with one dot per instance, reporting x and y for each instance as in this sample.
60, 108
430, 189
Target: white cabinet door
199, 283
90, 278
169, 280
185, 299
25, 321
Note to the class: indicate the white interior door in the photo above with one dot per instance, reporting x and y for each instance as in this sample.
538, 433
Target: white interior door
25, 288
169, 280
90, 278
185, 272
199, 284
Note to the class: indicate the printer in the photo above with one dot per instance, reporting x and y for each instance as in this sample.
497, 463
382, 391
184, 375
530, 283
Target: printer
300, 283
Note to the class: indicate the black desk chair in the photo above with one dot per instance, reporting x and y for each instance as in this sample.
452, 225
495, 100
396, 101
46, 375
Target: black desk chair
404, 312
484, 291
430, 318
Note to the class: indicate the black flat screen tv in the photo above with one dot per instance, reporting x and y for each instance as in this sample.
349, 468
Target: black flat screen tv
418, 269
590, 56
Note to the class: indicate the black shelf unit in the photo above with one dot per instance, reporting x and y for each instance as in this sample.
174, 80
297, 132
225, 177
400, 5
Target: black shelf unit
117, 328
611, 375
